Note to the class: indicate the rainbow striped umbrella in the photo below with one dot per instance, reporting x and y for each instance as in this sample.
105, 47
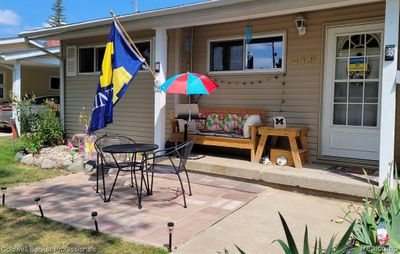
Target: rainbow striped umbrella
189, 83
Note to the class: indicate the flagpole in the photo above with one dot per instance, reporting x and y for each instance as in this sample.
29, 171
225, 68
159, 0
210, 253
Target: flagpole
133, 44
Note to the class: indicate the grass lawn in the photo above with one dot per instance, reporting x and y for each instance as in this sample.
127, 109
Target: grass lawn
13, 173
24, 231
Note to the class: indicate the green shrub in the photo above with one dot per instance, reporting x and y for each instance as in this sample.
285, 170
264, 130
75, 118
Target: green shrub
49, 126
41, 128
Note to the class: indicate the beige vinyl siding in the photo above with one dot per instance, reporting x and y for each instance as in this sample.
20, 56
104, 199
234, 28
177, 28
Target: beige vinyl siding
36, 81
134, 113
295, 94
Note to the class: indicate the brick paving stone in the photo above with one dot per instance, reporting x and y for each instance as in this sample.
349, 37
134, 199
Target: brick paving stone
71, 199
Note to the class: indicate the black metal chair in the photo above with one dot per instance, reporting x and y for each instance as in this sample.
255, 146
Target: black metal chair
106, 162
180, 152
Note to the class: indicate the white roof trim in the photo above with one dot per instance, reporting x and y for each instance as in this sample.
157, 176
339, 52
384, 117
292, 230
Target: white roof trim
28, 54
11, 41
204, 13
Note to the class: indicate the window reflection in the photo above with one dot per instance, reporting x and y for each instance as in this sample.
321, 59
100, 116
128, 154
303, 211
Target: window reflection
264, 53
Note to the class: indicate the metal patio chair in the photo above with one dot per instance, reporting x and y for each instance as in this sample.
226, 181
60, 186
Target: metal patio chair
106, 161
180, 152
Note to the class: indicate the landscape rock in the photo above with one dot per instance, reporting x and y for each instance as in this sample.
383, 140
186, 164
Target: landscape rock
27, 159
47, 163
56, 157
18, 156
89, 167
76, 165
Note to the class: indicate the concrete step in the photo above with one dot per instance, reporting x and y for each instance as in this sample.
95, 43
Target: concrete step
311, 177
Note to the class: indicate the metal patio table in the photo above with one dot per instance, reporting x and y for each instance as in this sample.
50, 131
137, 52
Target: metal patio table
131, 149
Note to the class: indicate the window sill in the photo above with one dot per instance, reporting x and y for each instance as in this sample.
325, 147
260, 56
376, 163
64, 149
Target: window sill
248, 72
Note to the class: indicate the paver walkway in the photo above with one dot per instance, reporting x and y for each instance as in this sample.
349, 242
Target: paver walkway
71, 199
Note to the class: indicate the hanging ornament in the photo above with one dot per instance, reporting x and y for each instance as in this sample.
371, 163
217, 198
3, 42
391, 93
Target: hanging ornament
248, 33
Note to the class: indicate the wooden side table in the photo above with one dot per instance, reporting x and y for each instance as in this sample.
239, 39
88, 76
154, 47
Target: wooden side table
292, 134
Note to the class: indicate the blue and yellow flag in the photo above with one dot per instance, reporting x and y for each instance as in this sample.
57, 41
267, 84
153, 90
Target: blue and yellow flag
119, 67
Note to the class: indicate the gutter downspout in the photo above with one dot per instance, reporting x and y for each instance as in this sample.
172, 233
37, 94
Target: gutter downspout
40, 47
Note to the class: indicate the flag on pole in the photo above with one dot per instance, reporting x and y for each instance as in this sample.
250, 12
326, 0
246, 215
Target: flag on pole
119, 67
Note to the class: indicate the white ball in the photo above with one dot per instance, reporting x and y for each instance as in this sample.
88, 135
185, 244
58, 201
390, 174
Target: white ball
281, 161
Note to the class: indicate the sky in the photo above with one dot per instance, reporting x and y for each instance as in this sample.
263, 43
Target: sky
20, 15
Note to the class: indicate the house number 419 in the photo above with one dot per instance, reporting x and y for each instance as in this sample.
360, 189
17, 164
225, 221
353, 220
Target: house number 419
304, 60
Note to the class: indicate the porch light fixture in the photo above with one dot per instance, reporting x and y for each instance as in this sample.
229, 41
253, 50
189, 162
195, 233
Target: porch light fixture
170, 229
3, 193
38, 203
300, 22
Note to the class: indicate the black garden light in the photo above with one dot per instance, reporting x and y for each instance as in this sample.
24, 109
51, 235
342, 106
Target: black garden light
37, 201
3, 193
94, 215
170, 229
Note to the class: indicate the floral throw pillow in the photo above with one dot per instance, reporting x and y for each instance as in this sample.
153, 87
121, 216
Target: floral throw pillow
215, 122
233, 123
200, 123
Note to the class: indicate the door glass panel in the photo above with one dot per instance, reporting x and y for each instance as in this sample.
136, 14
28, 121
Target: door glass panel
339, 114
1, 93
370, 115
358, 60
356, 92
373, 66
355, 114
342, 46
357, 45
341, 69
371, 92
373, 44
340, 92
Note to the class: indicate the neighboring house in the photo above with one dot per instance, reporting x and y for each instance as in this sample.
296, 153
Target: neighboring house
329, 75
39, 72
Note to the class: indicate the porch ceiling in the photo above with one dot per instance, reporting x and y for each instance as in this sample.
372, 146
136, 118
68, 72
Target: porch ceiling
210, 12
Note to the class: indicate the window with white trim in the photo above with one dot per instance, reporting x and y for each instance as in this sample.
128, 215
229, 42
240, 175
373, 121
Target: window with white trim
262, 53
90, 58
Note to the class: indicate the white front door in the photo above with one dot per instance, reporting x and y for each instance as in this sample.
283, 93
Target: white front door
351, 92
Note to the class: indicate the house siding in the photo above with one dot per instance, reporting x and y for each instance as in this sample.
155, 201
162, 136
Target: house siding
295, 94
34, 81
134, 113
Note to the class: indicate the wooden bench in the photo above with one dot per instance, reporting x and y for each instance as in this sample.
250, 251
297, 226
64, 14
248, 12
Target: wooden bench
241, 143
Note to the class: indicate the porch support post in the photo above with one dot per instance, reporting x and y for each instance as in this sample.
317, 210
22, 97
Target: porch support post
159, 96
16, 91
62, 88
388, 97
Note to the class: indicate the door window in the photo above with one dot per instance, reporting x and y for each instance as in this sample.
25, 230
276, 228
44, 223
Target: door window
357, 73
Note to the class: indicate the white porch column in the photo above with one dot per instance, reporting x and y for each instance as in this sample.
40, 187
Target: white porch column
159, 96
62, 90
388, 97
16, 90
